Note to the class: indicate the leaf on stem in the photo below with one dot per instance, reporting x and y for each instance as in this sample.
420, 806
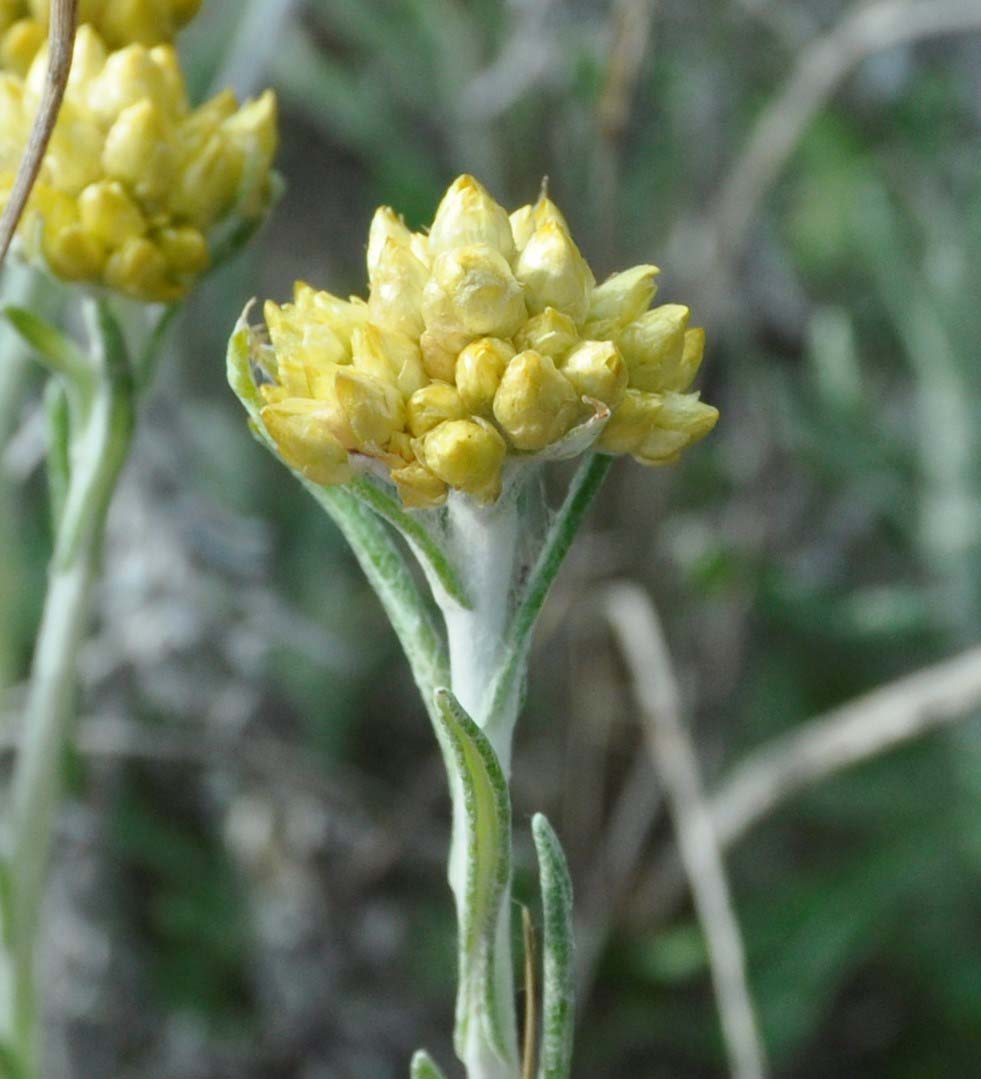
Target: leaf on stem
58, 353
424, 1067
431, 556
58, 420
559, 990
582, 490
480, 792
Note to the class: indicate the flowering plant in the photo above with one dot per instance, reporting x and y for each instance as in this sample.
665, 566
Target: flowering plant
136, 197
484, 351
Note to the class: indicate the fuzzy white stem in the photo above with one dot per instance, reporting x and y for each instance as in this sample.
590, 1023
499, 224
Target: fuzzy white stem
484, 543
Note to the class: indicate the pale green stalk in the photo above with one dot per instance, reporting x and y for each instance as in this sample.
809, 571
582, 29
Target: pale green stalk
92, 424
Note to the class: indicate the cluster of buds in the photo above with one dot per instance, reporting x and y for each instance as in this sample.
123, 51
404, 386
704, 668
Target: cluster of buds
483, 342
134, 180
24, 25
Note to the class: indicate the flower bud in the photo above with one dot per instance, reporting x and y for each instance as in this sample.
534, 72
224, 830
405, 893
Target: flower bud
596, 370
208, 181
145, 21
74, 253
554, 273
691, 359
138, 268
535, 404
655, 428
371, 410
621, 298
396, 289
88, 59
185, 249
522, 226
419, 488
128, 77
254, 130
468, 215
466, 454
653, 347
169, 65
109, 213
687, 413
479, 369
307, 351
139, 151
304, 440
472, 292
683, 421
432, 405
551, 333
21, 45
633, 418
660, 446
386, 225
388, 355
74, 154
439, 353
525, 221
342, 317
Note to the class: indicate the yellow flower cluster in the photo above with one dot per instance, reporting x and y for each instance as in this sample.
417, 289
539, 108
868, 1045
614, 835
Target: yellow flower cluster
134, 179
486, 339
24, 25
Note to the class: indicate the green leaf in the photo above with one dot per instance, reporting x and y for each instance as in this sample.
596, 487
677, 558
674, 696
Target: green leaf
431, 556
582, 490
146, 363
59, 436
424, 1067
559, 989
483, 805
111, 344
101, 433
59, 353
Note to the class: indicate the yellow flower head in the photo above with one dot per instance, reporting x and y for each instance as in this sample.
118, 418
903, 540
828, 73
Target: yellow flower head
483, 343
134, 181
24, 25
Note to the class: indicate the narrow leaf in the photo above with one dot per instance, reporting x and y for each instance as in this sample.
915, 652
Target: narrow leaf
480, 795
59, 436
558, 994
582, 490
424, 1067
59, 353
431, 556
111, 343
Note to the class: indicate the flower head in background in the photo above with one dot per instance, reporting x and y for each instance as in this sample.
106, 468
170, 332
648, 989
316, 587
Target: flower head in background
484, 342
24, 25
134, 180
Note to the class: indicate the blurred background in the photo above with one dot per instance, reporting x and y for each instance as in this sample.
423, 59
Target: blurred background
250, 873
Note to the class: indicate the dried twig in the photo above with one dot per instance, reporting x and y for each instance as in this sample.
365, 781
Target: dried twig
873, 724
61, 45
867, 28
857, 731
635, 623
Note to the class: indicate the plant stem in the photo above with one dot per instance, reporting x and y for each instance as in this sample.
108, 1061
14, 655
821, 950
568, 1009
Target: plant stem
483, 542
100, 431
